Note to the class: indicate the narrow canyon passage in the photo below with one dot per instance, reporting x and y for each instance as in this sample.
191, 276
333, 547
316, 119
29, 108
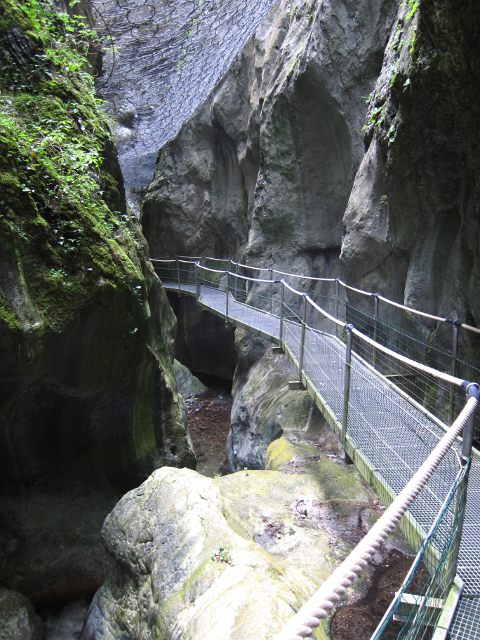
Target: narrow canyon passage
160, 478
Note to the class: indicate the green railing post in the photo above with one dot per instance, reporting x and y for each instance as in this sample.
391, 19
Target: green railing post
282, 302
302, 336
375, 325
346, 387
449, 571
178, 272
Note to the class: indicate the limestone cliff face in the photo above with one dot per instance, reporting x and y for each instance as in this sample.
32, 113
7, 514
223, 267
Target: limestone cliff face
88, 398
266, 166
285, 166
411, 224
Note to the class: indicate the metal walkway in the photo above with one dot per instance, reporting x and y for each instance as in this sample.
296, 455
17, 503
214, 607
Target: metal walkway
389, 435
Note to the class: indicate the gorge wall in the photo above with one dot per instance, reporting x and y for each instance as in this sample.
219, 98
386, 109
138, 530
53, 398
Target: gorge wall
341, 141
88, 399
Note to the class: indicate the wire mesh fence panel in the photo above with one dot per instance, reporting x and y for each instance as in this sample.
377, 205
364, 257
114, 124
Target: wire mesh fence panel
416, 609
390, 408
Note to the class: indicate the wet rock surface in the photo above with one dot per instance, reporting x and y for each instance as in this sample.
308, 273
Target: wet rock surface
18, 620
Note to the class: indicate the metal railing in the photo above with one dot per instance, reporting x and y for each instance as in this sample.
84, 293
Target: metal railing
380, 401
443, 569
433, 339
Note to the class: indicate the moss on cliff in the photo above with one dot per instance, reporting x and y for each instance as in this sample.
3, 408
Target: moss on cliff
54, 189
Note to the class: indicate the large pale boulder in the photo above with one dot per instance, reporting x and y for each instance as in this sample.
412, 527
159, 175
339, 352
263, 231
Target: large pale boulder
228, 558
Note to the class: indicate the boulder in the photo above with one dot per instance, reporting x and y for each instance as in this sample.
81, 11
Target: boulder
18, 620
255, 542
188, 385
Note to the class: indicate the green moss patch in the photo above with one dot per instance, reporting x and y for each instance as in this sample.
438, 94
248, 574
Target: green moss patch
54, 185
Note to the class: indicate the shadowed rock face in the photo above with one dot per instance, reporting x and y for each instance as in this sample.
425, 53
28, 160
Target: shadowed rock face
412, 218
88, 402
291, 108
203, 342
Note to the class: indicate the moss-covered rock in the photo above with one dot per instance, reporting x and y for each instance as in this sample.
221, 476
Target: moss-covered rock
255, 542
264, 408
88, 402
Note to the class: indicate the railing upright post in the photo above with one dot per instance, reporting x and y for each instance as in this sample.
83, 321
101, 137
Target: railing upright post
226, 297
197, 280
453, 368
236, 281
178, 272
375, 325
302, 337
337, 303
346, 387
472, 390
271, 291
282, 302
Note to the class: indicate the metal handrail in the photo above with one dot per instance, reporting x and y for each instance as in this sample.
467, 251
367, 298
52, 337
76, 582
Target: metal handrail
398, 305
324, 599
318, 607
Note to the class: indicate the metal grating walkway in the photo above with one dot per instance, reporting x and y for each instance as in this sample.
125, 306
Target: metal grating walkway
391, 434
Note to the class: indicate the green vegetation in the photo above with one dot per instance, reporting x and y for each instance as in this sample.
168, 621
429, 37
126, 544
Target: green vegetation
222, 554
54, 188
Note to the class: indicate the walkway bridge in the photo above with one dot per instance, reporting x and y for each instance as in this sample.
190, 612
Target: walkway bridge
396, 401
